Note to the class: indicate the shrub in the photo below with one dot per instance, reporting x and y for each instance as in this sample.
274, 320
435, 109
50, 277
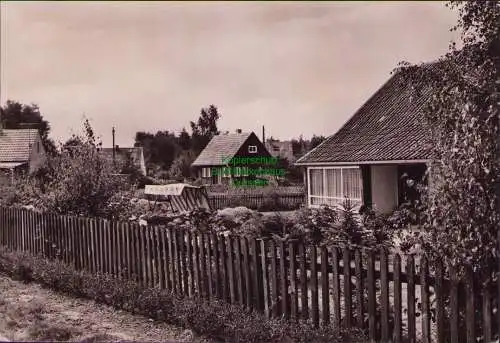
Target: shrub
214, 319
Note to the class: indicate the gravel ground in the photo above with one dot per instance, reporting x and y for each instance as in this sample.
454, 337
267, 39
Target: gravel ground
29, 312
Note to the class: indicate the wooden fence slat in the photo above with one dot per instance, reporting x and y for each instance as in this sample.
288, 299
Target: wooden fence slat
314, 287
294, 302
149, 257
440, 302
93, 246
372, 328
360, 295
85, 234
80, 223
138, 253
230, 269
424, 298
142, 256
454, 333
210, 265
183, 259
486, 306
257, 280
189, 253
157, 255
100, 244
498, 282
247, 274
196, 264
265, 278
469, 309
274, 279
223, 268
203, 264
171, 260
384, 295
398, 303
238, 270
304, 306
177, 262
217, 273
285, 308
325, 289
165, 259
347, 288
410, 271
336, 287
129, 249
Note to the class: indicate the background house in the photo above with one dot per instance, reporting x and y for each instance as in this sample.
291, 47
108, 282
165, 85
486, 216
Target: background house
228, 145
371, 157
279, 149
123, 155
21, 151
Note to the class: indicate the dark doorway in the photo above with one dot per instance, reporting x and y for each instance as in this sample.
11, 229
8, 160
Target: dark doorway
409, 176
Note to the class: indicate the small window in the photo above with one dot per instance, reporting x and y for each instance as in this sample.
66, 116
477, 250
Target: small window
252, 149
37, 147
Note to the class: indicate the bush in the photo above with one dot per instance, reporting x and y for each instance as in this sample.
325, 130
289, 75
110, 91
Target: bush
214, 319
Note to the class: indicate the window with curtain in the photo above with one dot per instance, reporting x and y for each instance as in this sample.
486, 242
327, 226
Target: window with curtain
330, 186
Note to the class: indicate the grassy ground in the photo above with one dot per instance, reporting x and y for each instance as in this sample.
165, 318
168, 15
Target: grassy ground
30, 313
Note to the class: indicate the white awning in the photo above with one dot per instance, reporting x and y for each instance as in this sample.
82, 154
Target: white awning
10, 165
172, 189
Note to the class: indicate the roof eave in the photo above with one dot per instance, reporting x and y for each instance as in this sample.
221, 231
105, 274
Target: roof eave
350, 163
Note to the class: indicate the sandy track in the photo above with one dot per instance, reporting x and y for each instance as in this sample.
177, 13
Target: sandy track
29, 312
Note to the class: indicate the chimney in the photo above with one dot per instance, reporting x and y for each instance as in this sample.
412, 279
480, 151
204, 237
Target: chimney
114, 147
238, 131
263, 135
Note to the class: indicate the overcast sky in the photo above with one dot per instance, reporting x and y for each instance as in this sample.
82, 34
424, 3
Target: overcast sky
297, 68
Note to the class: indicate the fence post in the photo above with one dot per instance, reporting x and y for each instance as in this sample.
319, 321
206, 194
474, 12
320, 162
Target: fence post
424, 294
347, 287
397, 299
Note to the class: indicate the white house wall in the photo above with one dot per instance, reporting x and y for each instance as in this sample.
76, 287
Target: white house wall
384, 180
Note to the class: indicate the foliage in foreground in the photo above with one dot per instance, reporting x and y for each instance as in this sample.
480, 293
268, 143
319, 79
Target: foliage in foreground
214, 319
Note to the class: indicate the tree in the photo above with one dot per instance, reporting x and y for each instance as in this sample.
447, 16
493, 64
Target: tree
316, 140
15, 115
460, 211
205, 128
184, 140
462, 207
160, 149
82, 182
181, 166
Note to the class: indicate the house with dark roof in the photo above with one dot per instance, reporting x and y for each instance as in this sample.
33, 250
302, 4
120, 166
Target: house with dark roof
121, 156
21, 151
225, 147
374, 157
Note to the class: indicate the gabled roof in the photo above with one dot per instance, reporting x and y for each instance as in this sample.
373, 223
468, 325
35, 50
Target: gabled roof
15, 145
390, 126
221, 146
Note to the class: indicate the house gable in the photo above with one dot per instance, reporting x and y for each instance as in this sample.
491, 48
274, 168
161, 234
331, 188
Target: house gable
390, 126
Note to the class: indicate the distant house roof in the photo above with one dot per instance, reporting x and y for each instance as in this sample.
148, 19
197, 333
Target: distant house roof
390, 126
15, 145
225, 145
121, 154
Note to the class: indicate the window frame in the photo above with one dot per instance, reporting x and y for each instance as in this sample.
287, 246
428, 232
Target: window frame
251, 150
340, 199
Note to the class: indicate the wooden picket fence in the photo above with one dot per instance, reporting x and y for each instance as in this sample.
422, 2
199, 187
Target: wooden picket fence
280, 202
283, 280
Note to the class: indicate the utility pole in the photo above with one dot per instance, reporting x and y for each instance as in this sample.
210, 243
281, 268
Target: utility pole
113, 133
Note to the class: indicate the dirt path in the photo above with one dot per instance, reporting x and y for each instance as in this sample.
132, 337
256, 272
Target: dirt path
28, 313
